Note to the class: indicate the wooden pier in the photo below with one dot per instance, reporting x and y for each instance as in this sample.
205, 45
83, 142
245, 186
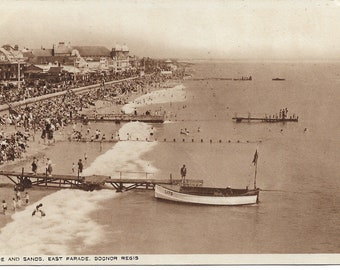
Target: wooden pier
117, 118
23, 180
264, 119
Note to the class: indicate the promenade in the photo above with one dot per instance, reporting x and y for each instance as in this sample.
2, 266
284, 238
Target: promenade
78, 90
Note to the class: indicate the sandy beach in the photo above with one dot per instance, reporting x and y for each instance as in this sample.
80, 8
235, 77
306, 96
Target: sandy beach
41, 149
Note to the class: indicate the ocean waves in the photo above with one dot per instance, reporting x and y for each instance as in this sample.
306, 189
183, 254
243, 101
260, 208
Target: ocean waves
174, 94
67, 227
126, 157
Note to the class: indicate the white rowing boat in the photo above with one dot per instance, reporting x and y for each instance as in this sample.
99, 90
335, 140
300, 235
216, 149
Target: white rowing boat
210, 195
207, 195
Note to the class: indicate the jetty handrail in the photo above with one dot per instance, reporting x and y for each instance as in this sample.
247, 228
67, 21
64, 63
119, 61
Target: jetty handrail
129, 172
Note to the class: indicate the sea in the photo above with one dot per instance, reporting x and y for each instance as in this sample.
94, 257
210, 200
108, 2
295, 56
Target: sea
298, 170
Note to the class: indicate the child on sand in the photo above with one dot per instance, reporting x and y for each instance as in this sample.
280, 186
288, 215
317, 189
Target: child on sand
19, 202
27, 198
14, 204
34, 166
49, 167
18, 195
4, 207
80, 167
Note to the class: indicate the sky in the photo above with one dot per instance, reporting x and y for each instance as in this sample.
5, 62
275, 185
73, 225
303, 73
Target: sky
199, 29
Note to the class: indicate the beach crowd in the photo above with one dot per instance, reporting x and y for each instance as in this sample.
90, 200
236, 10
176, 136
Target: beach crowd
46, 116
38, 87
18, 202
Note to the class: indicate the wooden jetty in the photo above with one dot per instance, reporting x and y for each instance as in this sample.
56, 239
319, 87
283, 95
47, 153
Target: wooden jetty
148, 118
24, 180
265, 119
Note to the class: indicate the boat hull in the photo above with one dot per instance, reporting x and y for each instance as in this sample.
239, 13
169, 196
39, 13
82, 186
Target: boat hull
171, 194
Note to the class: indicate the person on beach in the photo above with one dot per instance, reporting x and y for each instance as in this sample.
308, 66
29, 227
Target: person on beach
4, 207
73, 167
183, 174
18, 195
14, 204
80, 167
38, 209
27, 198
85, 157
34, 166
49, 168
19, 202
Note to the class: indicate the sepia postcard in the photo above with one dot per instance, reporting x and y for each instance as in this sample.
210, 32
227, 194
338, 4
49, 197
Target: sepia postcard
169, 133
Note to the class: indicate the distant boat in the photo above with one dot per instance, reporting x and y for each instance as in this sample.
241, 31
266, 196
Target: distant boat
243, 78
278, 79
210, 195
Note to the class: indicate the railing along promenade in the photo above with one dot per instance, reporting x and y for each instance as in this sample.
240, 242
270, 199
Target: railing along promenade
78, 90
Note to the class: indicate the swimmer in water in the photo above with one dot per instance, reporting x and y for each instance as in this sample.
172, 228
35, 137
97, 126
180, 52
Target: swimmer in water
38, 209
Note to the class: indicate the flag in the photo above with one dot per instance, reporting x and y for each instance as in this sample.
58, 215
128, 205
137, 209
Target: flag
255, 157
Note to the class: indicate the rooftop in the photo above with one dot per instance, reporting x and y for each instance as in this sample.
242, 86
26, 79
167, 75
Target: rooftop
92, 50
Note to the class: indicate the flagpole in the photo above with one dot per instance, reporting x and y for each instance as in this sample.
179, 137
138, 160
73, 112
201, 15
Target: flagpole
255, 163
255, 175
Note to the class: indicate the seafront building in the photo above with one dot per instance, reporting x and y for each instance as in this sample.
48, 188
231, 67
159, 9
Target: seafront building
12, 63
63, 58
66, 62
